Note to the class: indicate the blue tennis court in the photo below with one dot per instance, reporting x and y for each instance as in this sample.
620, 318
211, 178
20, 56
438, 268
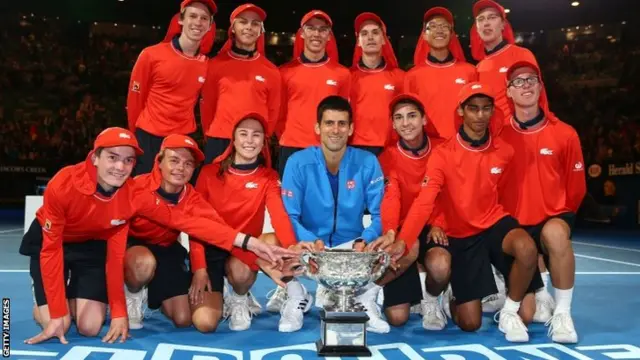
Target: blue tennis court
606, 312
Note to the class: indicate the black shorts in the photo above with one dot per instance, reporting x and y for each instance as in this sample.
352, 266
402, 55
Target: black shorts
471, 260
214, 147
84, 267
405, 289
375, 150
172, 276
283, 155
535, 231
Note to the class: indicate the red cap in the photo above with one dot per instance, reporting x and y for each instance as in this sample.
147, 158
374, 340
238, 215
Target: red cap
316, 13
405, 97
474, 88
422, 49
332, 46
209, 3
239, 10
387, 50
521, 64
483, 4
117, 136
176, 141
438, 11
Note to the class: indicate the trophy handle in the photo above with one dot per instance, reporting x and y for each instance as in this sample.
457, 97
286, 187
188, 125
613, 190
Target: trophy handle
386, 260
306, 258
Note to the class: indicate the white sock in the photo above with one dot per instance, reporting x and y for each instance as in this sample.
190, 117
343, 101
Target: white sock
423, 283
563, 301
511, 306
545, 279
430, 298
295, 289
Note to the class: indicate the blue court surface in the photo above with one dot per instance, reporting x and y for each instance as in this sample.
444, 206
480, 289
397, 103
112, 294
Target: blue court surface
606, 312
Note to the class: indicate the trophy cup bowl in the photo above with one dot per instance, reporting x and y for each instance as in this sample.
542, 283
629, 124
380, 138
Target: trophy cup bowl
344, 273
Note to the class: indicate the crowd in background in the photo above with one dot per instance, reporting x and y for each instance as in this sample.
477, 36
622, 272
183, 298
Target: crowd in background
60, 84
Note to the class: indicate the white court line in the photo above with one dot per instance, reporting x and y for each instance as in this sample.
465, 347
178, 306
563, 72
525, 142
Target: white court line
607, 260
606, 246
14, 271
32, 353
9, 230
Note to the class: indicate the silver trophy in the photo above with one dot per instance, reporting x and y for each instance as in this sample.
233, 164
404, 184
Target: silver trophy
344, 273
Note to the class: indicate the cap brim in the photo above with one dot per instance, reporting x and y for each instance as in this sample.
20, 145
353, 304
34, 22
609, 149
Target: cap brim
362, 18
405, 97
484, 4
522, 64
438, 11
208, 3
251, 7
317, 14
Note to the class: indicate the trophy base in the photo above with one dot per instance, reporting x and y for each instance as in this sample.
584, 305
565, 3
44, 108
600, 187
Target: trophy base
340, 351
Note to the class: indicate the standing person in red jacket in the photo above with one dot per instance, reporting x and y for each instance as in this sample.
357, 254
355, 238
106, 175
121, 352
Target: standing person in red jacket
440, 70
493, 45
79, 239
404, 164
167, 78
375, 80
240, 184
240, 79
545, 191
312, 75
465, 173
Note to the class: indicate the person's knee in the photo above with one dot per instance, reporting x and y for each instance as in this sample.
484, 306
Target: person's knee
524, 250
141, 266
89, 326
438, 262
239, 272
470, 323
397, 317
555, 236
204, 323
182, 319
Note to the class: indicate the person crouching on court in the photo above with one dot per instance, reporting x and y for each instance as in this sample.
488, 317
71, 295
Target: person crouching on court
545, 192
155, 261
326, 190
240, 184
77, 242
466, 173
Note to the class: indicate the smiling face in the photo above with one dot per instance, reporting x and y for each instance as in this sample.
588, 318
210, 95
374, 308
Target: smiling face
195, 21
177, 166
371, 37
334, 129
248, 141
437, 32
524, 87
489, 24
247, 27
114, 166
408, 122
315, 33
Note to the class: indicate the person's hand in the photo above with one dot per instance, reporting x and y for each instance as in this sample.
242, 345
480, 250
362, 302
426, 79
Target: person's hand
271, 253
303, 246
318, 245
119, 329
55, 328
199, 284
382, 243
359, 245
291, 267
438, 236
396, 250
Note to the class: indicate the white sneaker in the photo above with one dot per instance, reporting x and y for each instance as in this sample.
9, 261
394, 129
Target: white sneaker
135, 311
416, 309
544, 307
447, 296
276, 298
292, 313
493, 303
433, 316
239, 312
561, 329
512, 326
254, 305
376, 323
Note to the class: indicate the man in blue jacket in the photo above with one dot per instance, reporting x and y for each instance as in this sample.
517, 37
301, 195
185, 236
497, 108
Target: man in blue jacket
326, 190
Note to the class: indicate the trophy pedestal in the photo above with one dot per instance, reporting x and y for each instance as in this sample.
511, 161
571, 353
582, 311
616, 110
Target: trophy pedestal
343, 334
